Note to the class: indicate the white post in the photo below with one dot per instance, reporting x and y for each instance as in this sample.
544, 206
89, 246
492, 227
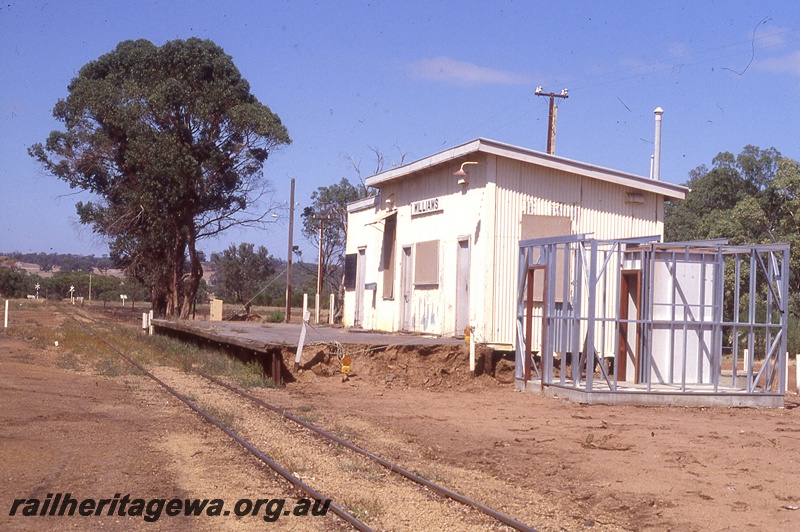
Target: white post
746, 361
786, 371
150, 322
797, 372
472, 350
316, 308
305, 304
330, 309
5, 323
306, 317
144, 322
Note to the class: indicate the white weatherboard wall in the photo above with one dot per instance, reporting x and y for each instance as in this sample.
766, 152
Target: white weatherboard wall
459, 216
687, 294
487, 212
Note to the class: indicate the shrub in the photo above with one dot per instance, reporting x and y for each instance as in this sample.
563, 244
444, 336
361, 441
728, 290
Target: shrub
276, 316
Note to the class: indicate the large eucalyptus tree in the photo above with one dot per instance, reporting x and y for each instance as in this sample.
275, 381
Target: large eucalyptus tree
171, 142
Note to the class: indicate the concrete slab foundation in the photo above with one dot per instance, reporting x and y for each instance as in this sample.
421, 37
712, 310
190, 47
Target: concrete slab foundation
695, 397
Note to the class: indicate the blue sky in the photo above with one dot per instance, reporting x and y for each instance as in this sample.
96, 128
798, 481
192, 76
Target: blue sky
418, 77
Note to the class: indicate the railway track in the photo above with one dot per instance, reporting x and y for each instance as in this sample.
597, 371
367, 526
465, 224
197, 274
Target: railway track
325, 450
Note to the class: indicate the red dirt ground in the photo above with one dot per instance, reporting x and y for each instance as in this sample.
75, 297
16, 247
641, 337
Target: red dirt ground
603, 467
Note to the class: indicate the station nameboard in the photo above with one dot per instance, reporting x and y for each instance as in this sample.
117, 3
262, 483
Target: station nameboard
426, 206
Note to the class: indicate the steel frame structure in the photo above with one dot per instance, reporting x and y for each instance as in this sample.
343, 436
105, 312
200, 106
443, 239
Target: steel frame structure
572, 334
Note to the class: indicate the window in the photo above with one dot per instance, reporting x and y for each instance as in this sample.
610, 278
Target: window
426, 262
350, 265
387, 259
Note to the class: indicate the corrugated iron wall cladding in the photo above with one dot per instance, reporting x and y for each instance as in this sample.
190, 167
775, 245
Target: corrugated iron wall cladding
594, 207
604, 212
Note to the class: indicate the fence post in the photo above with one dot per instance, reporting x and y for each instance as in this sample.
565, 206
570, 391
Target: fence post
472, 350
306, 317
746, 361
786, 372
797, 373
330, 309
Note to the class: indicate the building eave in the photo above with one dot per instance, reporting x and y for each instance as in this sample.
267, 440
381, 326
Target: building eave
532, 157
362, 204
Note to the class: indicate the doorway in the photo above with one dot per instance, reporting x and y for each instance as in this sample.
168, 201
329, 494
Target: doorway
405, 289
462, 287
534, 274
630, 304
361, 270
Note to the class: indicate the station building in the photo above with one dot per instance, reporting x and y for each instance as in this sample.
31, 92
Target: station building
437, 249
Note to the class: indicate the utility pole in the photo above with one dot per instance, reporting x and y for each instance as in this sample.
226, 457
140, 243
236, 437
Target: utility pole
289, 257
319, 269
321, 220
551, 124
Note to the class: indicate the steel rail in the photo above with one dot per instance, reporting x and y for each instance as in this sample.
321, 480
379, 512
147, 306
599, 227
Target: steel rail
441, 490
294, 481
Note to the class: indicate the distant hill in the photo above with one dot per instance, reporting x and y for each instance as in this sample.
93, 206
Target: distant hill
46, 264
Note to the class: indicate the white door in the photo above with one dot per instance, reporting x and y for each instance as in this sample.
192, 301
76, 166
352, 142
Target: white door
405, 290
361, 270
462, 287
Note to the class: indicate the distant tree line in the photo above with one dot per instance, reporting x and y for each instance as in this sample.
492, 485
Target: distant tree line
17, 283
245, 274
749, 198
66, 262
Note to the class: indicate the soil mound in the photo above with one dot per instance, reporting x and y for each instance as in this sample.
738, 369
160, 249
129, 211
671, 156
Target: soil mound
424, 366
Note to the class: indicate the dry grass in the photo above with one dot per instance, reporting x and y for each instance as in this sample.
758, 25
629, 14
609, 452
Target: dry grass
81, 350
366, 508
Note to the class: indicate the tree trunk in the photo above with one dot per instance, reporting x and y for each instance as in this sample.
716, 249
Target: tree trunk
159, 302
195, 274
176, 274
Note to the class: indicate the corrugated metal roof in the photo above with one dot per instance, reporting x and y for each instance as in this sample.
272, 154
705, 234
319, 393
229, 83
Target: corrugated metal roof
362, 204
533, 157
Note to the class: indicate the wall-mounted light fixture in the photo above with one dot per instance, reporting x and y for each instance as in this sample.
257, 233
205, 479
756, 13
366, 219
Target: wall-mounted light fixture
462, 174
389, 202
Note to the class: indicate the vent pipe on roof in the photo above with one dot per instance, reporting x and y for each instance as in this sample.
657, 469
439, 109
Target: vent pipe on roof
656, 172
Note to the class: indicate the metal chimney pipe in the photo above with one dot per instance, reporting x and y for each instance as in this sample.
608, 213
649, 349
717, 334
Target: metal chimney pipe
657, 152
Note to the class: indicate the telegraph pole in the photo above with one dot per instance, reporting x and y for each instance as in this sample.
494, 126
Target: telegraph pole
321, 220
551, 124
319, 270
289, 257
